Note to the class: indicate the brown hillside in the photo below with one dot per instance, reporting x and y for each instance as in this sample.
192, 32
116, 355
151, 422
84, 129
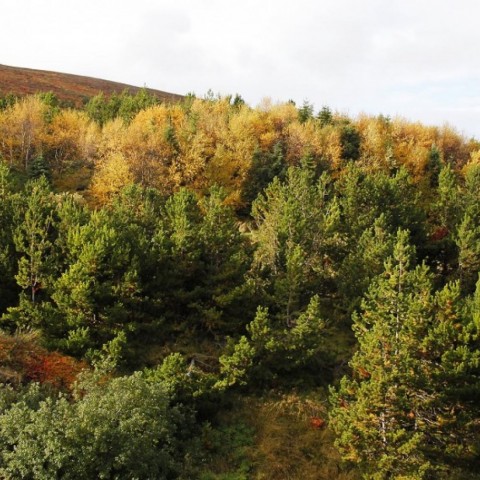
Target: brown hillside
67, 87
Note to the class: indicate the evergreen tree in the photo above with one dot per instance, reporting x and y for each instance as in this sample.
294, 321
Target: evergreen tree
178, 251
364, 262
98, 296
71, 213
351, 141
97, 109
364, 196
38, 167
446, 206
272, 350
325, 116
265, 167
445, 217
468, 242
471, 194
34, 235
448, 385
371, 410
434, 165
50, 100
201, 262
225, 259
468, 233
414, 378
8, 286
305, 112
297, 241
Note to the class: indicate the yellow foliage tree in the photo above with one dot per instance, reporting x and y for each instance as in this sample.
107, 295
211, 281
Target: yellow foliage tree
71, 140
22, 129
111, 175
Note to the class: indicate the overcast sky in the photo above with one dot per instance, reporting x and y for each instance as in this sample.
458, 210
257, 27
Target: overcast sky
419, 59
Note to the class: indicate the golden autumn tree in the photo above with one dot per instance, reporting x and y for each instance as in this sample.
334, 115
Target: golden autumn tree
70, 141
112, 173
150, 146
411, 146
22, 127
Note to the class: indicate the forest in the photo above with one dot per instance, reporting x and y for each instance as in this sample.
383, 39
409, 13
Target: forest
209, 290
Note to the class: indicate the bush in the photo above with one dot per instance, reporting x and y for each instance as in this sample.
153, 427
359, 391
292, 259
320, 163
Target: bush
121, 428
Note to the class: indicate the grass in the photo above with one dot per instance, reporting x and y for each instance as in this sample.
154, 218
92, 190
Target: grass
274, 437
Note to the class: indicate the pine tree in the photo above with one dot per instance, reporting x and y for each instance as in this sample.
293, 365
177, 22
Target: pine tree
446, 206
305, 112
177, 250
297, 241
468, 243
7, 262
364, 262
225, 260
446, 215
201, 260
38, 167
34, 234
365, 196
434, 165
468, 232
265, 166
373, 412
351, 142
98, 295
325, 116
272, 350
410, 406
448, 385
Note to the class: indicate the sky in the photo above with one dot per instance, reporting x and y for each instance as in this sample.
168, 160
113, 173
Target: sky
417, 59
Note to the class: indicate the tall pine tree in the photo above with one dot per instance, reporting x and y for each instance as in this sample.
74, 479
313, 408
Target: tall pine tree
408, 408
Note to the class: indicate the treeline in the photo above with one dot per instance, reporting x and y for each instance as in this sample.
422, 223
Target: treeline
197, 143
223, 251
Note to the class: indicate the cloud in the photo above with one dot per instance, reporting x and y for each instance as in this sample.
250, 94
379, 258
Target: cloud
410, 57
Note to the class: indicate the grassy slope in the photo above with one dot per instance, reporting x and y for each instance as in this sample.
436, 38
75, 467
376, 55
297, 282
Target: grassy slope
274, 437
68, 88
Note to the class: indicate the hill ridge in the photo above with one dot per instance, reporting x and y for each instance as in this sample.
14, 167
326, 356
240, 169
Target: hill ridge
68, 87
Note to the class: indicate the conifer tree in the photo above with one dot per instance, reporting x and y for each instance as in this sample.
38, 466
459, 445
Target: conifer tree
446, 215
34, 234
468, 233
364, 196
468, 242
264, 168
201, 260
365, 261
272, 349
98, 295
471, 195
38, 167
7, 263
176, 244
448, 385
371, 413
434, 165
297, 240
408, 410
446, 206
225, 260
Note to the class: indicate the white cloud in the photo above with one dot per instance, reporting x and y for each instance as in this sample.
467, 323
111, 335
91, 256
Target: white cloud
414, 58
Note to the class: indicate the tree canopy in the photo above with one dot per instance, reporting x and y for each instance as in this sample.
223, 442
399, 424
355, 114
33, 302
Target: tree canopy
182, 284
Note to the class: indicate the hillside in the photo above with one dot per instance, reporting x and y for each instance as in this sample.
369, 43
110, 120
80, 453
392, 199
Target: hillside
220, 292
68, 88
